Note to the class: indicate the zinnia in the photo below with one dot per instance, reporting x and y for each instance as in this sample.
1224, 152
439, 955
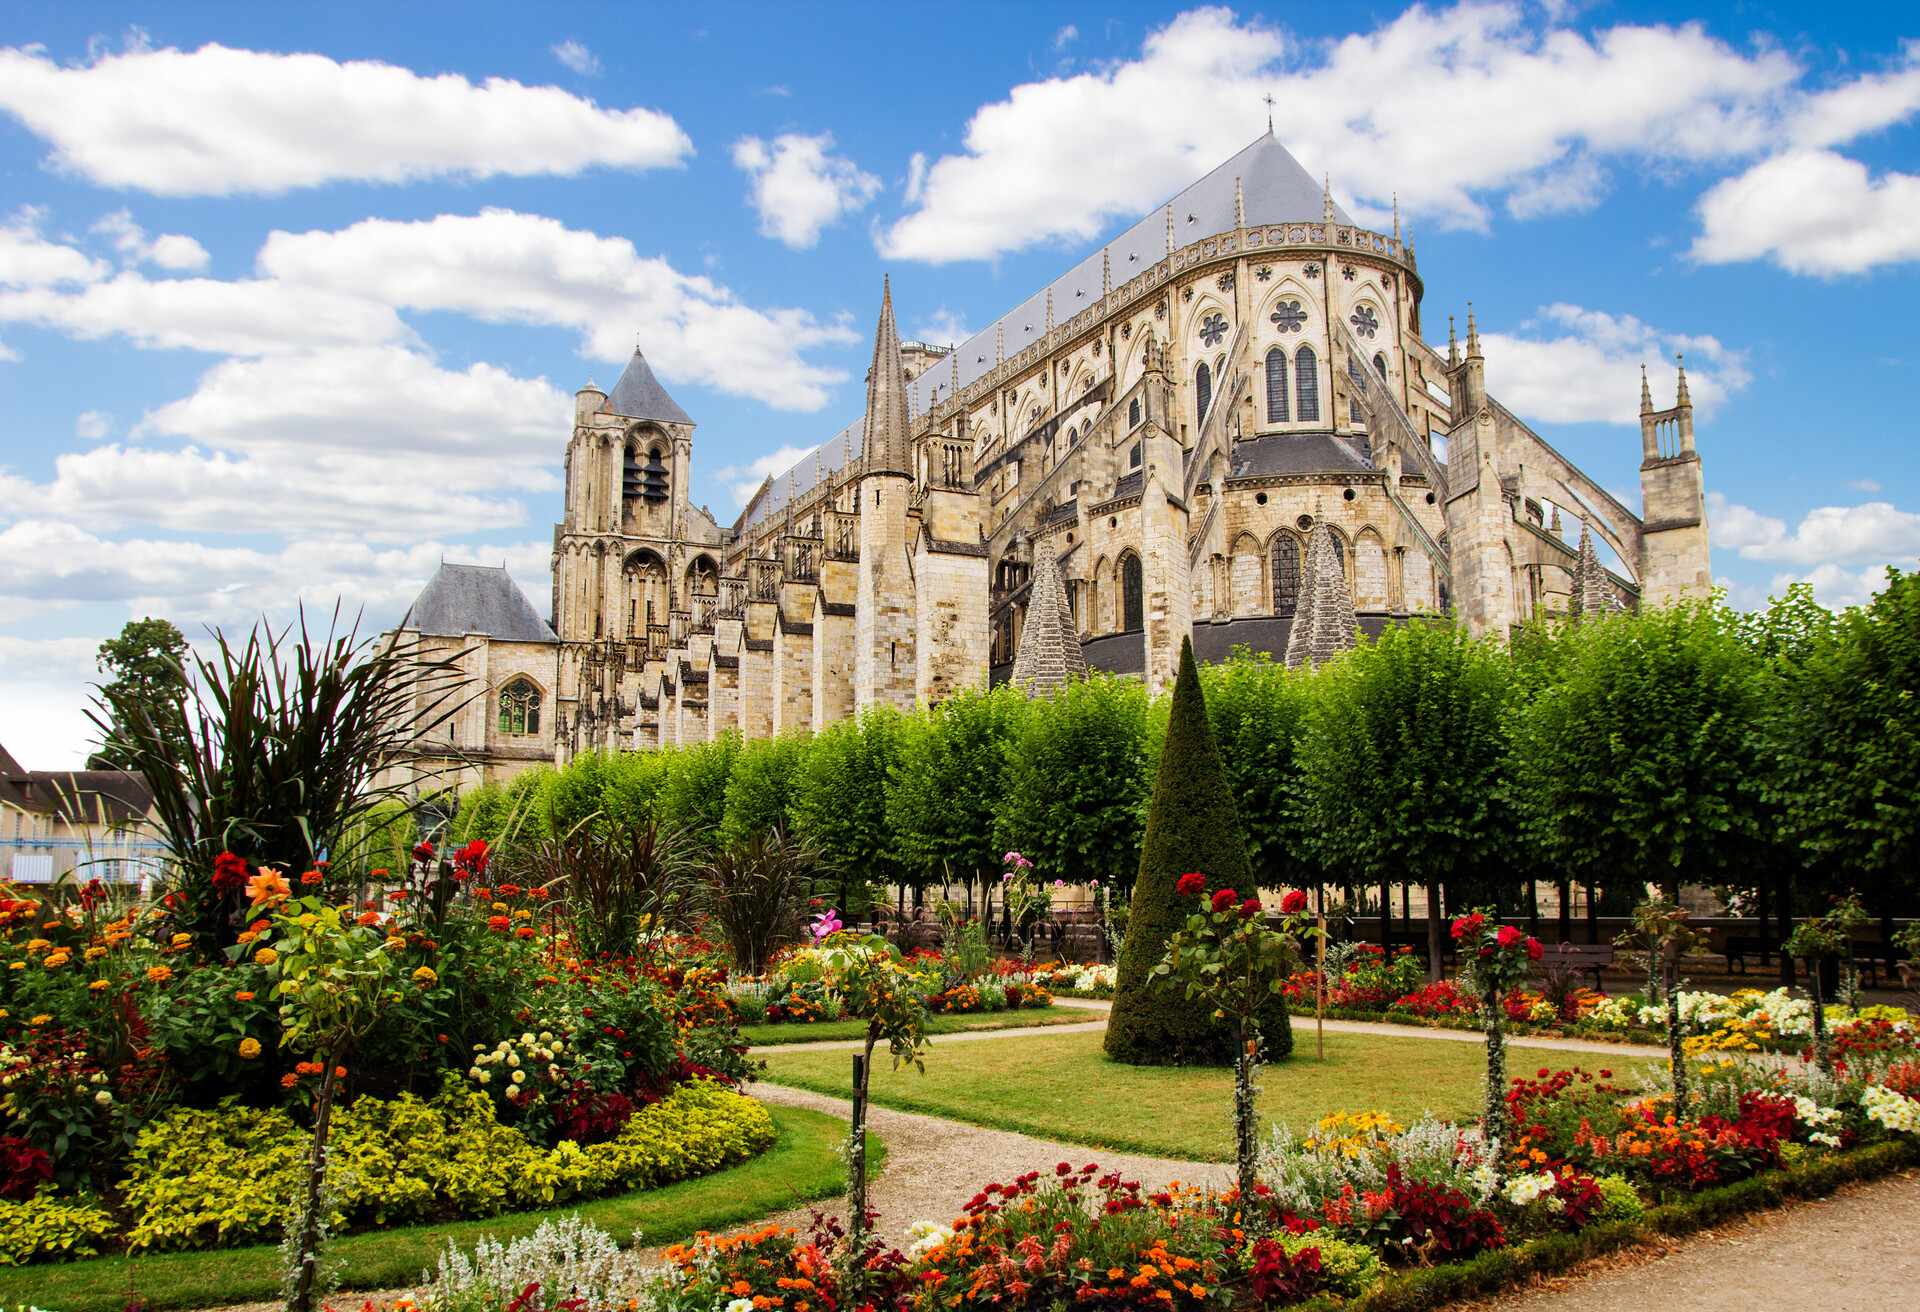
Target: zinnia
159, 974
268, 887
265, 957
249, 1048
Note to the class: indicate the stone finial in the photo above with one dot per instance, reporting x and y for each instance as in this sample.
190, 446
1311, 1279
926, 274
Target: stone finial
888, 430
1324, 624
1049, 653
1589, 579
1473, 335
1453, 344
1239, 205
1326, 203
1396, 216
1646, 392
1684, 401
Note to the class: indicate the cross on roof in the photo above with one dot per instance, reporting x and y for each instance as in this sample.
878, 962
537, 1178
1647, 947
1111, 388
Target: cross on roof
1269, 100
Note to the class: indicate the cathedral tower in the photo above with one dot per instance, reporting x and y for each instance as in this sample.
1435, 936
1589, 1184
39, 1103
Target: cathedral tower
883, 632
1673, 501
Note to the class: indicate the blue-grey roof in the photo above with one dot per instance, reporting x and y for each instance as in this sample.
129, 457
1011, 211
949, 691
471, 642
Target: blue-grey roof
638, 395
1296, 453
1274, 187
482, 599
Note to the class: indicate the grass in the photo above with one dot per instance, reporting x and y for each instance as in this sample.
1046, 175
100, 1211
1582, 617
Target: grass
1061, 1086
822, 1031
803, 1164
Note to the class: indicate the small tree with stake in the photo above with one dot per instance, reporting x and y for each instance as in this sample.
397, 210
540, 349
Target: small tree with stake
1665, 930
1497, 959
1230, 960
1814, 941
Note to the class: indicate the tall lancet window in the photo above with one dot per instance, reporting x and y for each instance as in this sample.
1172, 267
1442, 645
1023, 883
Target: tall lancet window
1132, 604
1306, 383
1202, 391
1286, 575
1276, 386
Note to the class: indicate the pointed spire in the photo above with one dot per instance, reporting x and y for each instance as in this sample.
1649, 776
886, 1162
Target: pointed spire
1589, 600
1684, 400
1049, 653
1323, 625
885, 446
1396, 216
1646, 392
1453, 344
1106, 272
1269, 113
1239, 204
1169, 229
953, 359
1326, 203
1473, 335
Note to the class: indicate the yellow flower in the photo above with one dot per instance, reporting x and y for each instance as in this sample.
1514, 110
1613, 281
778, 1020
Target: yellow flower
94, 954
249, 1048
38, 944
98, 985
41, 1019
159, 974
16, 965
181, 940
308, 921
265, 957
55, 960
424, 975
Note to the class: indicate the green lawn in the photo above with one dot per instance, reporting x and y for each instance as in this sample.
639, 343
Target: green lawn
1061, 1086
822, 1030
804, 1164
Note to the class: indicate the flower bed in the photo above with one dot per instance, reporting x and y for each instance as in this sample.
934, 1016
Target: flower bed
156, 1090
1360, 1211
798, 990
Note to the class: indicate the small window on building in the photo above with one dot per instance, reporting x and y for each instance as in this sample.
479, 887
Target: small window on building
1380, 364
1133, 456
1132, 603
1202, 391
1276, 386
1133, 413
520, 708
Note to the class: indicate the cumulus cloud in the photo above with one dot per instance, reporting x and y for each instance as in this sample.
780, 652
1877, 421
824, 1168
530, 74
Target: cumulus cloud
942, 327
799, 187
170, 250
1448, 107
1811, 211
1837, 586
29, 259
742, 481
1873, 532
1065, 37
506, 267
45, 685
218, 121
92, 425
1569, 364
576, 56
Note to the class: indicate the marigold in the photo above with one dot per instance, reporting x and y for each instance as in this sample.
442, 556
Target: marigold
181, 940
159, 974
424, 975
99, 984
265, 957
310, 878
369, 918
249, 1048
55, 960
95, 953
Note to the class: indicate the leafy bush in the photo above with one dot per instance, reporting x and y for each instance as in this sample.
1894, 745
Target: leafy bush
1346, 1269
1619, 1200
757, 892
215, 1177
45, 1227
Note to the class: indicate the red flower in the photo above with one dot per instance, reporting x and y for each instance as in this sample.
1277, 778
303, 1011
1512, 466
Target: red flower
473, 857
1459, 929
1294, 900
499, 924
1250, 908
229, 873
311, 877
1534, 950
423, 852
1225, 898
1191, 884
1506, 936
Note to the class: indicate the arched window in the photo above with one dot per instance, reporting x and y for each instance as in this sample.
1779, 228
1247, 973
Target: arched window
1339, 551
1133, 456
702, 577
1306, 383
1276, 386
1380, 364
1286, 575
1133, 413
520, 708
1202, 391
1132, 606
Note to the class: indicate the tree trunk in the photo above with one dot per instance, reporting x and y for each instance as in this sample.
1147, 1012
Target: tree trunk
1783, 907
1245, 1123
1493, 1118
857, 1149
1676, 1053
1565, 890
1433, 933
1386, 916
307, 1252
1822, 1050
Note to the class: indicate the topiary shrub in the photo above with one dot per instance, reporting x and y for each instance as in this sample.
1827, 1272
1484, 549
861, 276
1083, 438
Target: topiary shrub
1191, 825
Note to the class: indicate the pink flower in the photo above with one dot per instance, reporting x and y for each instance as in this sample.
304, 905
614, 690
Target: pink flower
1534, 950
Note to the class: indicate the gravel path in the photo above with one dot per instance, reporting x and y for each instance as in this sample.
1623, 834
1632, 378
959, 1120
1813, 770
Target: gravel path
1853, 1252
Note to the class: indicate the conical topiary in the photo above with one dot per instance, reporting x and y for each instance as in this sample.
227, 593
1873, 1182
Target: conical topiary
1193, 825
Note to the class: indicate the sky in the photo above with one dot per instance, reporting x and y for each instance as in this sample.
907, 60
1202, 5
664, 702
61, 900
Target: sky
293, 299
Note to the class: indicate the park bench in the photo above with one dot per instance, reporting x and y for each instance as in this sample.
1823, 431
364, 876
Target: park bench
1579, 958
1741, 946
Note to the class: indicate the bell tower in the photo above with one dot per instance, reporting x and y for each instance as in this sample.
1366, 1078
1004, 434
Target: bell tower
884, 664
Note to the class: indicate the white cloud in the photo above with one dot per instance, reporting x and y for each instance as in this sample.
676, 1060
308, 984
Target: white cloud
1571, 188
1866, 104
27, 259
1444, 106
1873, 532
92, 425
1837, 586
44, 684
8, 355
1065, 37
218, 121
1575, 365
799, 188
943, 327
576, 56
170, 250
1811, 211
1866, 485
743, 481
505, 267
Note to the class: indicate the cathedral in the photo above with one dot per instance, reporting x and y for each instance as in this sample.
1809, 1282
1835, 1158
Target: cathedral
1222, 421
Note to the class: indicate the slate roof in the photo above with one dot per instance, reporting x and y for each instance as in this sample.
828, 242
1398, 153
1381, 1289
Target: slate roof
483, 599
1296, 453
81, 796
639, 395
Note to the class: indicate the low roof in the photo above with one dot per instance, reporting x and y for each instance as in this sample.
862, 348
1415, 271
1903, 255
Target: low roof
1296, 453
482, 599
81, 796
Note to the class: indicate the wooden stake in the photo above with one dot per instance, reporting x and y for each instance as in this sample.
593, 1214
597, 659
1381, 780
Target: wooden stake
1320, 990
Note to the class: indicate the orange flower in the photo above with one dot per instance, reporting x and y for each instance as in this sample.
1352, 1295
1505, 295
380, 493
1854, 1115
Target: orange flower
265, 957
243, 995
310, 878
159, 974
369, 918
268, 888
288, 1080
525, 931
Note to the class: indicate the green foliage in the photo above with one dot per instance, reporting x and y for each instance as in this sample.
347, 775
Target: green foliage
45, 1228
756, 891
1258, 710
1640, 762
621, 884
147, 663
839, 802
950, 785
1192, 826
693, 788
630, 788
760, 788
220, 1176
1079, 781
1348, 1268
381, 839
577, 795
1619, 1200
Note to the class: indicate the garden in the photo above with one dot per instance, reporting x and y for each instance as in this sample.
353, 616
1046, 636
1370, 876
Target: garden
497, 1046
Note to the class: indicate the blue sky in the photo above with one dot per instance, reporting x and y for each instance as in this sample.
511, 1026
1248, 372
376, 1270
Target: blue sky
292, 299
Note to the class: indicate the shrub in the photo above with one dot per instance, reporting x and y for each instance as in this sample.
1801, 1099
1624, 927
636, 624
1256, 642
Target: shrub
1346, 1269
1619, 1200
46, 1227
1192, 825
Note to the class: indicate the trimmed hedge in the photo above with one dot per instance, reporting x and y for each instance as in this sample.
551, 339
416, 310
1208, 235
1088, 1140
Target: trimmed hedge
1193, 825
1499, 1270
226, 1175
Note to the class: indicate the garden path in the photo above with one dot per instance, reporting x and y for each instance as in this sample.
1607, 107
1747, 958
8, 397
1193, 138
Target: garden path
934, 1165
1851, 1251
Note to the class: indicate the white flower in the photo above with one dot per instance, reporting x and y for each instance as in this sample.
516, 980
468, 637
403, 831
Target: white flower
513, 1059
1524, 1190
527, 1039
483, 1076
475, 1073
519, 1077
740, 1305
104, 1098
926, 1236
1896, 1111
512, 1093
1825, 1139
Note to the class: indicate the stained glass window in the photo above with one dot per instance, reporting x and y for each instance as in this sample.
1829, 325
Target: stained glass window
1306, 383
1276, 386
1202, 391
520, 708
1286, 574
1288, 316
1132, 607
